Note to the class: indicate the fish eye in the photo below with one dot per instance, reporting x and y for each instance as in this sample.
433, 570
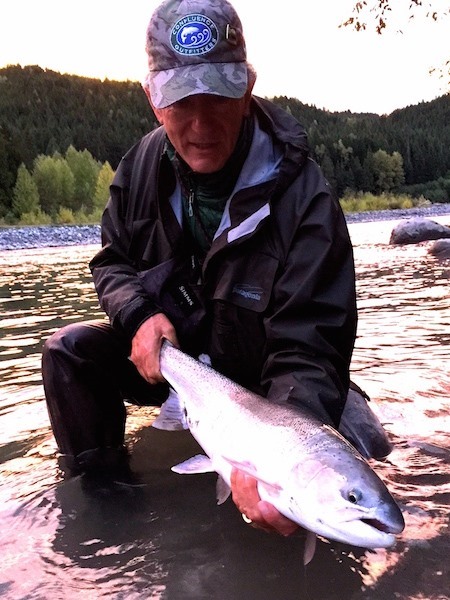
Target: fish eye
354, 496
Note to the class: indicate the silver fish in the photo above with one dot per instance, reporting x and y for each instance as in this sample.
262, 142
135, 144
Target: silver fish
305, 468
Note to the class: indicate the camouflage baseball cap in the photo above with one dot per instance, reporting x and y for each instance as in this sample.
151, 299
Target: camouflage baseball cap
195, 47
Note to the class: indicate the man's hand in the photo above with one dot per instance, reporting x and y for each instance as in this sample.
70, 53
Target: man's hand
262, 514
146, 346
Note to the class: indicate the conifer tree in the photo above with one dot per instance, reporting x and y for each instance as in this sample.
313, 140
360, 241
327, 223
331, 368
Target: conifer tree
25, 194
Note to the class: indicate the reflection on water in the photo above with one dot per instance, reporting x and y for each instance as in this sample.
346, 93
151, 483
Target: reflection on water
167, 539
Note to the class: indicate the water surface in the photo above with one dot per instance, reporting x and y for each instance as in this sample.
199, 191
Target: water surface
61, 539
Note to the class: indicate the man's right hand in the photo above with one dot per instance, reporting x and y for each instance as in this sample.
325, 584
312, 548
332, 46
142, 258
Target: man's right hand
146, 346
259, 513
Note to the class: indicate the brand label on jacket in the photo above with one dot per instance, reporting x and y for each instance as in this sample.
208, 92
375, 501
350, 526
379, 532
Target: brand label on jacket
248, 292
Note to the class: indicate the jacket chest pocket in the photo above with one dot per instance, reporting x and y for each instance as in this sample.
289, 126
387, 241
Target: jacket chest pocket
240, 300
247, 282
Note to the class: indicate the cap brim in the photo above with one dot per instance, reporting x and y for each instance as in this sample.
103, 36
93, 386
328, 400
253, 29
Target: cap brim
221, 79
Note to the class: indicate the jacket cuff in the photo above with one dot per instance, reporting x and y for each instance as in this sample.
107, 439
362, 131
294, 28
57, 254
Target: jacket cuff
131, 317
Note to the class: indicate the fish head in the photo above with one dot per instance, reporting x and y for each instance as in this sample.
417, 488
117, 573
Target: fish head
355, 505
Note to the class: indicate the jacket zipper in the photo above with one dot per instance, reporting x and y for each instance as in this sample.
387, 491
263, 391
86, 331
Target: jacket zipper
191, 199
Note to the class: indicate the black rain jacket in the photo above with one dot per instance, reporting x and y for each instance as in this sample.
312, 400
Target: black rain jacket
274, 304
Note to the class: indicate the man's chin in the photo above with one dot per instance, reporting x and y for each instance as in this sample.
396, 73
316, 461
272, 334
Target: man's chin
204, 164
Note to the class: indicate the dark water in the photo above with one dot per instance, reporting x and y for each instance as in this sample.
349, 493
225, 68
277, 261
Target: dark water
168, 539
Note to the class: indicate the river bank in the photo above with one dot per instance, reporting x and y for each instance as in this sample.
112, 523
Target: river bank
17, 238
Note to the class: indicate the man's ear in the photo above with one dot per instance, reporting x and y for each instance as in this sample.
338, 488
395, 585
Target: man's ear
157, 111
248, 97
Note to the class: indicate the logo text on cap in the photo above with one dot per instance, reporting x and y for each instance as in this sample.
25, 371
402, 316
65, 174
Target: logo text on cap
194, 34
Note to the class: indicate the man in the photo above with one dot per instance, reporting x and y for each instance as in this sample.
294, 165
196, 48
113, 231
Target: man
222, 236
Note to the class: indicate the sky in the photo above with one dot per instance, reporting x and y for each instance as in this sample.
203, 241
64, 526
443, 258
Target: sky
296, 46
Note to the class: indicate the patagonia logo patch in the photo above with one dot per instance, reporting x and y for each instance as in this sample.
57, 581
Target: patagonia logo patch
248, 292
194, 34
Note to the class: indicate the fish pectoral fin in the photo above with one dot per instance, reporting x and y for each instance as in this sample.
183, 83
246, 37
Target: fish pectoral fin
200, 463
249, 468
310, 547
223, 490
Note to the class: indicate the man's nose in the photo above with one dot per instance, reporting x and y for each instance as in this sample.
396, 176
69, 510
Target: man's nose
202, 114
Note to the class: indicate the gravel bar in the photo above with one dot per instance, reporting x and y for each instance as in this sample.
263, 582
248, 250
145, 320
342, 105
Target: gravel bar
46, 236
17, 238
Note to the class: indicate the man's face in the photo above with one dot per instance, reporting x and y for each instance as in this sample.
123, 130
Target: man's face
204, 128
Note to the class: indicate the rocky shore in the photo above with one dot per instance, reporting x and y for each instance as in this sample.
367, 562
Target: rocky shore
16, 238
435, 210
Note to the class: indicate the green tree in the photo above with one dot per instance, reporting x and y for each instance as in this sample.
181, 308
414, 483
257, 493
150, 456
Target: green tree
388, 171
9, 163
25, 193
342, 167
368, 174
55, 183
328, 169
104, 180
85, 170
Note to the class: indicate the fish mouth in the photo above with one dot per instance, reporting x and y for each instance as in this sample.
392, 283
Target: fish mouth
392, 526
379, 525
389, 521
362, 534
377, 533
366, 531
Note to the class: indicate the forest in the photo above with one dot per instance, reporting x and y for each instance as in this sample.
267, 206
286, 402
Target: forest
62, 137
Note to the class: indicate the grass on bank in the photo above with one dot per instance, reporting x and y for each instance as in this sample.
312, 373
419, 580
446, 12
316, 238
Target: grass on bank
351, 203
365, 202
65, 216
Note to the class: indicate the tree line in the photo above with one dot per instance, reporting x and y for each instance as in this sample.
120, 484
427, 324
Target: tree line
404, 152
58, 133
63, 189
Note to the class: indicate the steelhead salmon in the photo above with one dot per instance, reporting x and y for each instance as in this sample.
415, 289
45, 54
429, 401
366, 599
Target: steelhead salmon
305, 468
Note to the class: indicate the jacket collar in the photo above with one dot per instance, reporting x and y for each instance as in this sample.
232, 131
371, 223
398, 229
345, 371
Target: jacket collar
278, 151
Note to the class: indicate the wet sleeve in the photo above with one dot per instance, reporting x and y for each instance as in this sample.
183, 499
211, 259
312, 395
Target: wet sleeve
120, 291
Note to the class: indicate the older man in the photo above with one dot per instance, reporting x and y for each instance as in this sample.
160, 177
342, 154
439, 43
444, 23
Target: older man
222, 235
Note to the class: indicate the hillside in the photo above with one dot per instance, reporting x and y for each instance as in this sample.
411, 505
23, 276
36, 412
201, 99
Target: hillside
43, 112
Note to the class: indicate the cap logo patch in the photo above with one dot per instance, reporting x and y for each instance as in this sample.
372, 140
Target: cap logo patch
194, 34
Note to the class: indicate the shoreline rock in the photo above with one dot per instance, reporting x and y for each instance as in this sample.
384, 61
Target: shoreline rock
440, 249
18, 238
418, 229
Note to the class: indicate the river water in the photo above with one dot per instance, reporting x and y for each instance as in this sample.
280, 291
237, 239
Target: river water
168, 539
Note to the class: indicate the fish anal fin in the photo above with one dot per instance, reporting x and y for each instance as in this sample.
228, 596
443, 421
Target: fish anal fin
222, 490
